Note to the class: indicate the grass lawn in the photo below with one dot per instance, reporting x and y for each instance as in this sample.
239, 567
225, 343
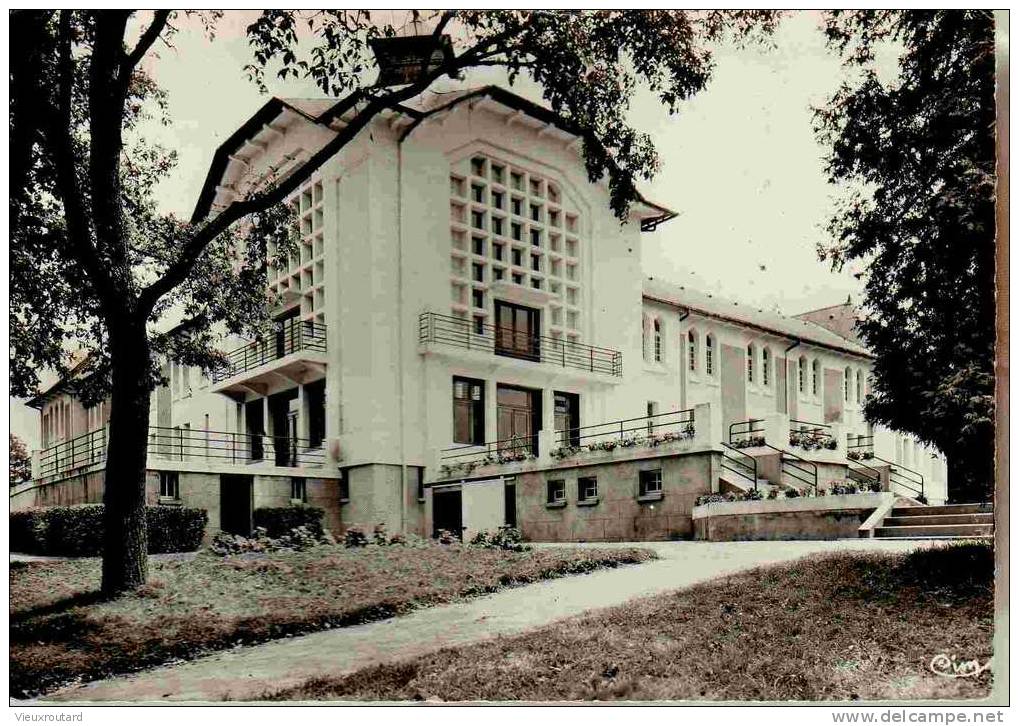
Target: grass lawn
844, 626
61, 631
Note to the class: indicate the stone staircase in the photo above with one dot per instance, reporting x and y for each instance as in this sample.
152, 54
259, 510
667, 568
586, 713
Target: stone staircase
949, 520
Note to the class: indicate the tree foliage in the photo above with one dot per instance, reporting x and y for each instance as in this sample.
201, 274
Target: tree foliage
915, 156
21, 461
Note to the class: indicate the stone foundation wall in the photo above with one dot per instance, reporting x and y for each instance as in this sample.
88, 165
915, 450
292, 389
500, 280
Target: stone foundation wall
618, 515
813, 518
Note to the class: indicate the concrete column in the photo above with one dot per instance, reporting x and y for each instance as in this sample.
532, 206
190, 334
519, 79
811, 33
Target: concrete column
491, 411
303, 415
707, 424
776, 429
547, 437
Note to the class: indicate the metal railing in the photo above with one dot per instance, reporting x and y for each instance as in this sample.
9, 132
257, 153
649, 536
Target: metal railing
863, 474
796, 467
816, 432
80, 452
185, 445
860, 444
284, 338
196, 445
903, 477
747, 432
514, 343
514, 448
680, 422
739, 462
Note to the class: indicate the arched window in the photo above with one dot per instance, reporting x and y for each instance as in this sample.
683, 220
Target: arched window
801, 374
815, 376
691, 350
766, 366
709, 355
658, 340
846, 385
859, 386
750, 363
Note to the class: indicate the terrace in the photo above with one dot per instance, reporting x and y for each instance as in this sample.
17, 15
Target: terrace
293, 351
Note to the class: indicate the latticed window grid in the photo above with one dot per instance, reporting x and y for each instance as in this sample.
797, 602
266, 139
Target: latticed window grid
510, 225
303, 276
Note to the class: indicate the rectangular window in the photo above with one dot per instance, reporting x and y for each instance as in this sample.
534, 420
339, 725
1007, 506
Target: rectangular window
556, 491
478, 272
518, 206
478, 166
478, 245
169, 485
518, 257
536, 237
535, 213
517, 331
478, 193
536, 262
497, 225
587, 488
478, 298
468, 411
650, 482
652, 411
497, 250
497, 200
516, 231
498, 273
478, 220
518, 278
298, 489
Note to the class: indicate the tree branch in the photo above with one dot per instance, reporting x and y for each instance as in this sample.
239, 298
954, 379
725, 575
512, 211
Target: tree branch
131, 60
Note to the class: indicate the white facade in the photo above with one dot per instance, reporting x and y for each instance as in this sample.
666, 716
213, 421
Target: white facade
434, 225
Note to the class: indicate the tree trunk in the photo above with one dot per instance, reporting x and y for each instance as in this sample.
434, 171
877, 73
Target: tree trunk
125, 544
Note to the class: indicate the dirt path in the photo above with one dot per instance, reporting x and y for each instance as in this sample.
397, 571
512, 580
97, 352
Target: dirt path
244, 673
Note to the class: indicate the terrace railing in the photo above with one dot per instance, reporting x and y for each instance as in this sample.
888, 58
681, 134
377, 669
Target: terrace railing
661, 424
80, 452
808, 432
284, 338
862, 447
514, 343
747, 433
196, 445
185, 445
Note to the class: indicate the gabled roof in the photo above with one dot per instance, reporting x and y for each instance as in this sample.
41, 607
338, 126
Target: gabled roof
325, 111
712, 306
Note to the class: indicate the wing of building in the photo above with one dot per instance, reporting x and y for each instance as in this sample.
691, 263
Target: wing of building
467, 340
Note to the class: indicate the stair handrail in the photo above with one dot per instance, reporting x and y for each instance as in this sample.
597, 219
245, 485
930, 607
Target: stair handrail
749, 423
893, 469
854, 465
809, 474
752, 466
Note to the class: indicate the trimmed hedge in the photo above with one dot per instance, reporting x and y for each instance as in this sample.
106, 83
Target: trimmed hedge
279, 521
78, 531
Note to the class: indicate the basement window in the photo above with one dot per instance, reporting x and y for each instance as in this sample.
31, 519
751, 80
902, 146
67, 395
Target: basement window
587, 488
169, 486
298, 490
650, 483
556, 491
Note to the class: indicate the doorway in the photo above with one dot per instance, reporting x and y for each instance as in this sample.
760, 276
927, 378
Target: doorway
235, 498
284, 427
518, 418
517, 331
447, 512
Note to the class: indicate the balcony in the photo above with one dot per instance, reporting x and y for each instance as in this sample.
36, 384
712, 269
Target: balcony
514, 343
294, 351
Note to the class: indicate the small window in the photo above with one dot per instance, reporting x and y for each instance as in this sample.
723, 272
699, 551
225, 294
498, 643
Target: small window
587, 488
517, 206
556, 491
478, 298
417, 479
516, 231
658, 340
468, 411
497, 171
344, 485
765, 366
497, 248
859, 386
518, 257
169, 485
847, 378
536, 237
497, 273
478, 166
478, 272
709, 355
298, 489
479, 325
478, 220
801, 374
535, 213
750, 363
650, 482
536, 262
497, 198
477, 193
497, 225
691, 350
478, 245
815, 376
518, 279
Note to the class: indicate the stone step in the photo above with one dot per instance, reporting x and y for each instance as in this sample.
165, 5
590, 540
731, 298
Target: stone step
937, 530
944, 509
905, 521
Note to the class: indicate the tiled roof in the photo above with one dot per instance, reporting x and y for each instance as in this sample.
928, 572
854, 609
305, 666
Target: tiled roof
718, 307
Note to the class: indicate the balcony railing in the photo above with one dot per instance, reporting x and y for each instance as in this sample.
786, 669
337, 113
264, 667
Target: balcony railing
808, 435
80, 452
289, 336
628, 432
514, 343
185, 445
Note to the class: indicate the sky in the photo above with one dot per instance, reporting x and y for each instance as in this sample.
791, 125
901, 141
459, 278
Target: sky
740, 162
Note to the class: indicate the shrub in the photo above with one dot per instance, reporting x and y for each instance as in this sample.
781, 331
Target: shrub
504, 538
792, 493
78, 531
379, 535
175, 529
299, 538
277, 521
355, 537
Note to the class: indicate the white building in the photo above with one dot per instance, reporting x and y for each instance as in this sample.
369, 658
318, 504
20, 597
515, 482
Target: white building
462, 290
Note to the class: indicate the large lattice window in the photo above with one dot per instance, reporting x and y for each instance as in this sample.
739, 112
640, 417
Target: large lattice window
302, 276
512, 225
